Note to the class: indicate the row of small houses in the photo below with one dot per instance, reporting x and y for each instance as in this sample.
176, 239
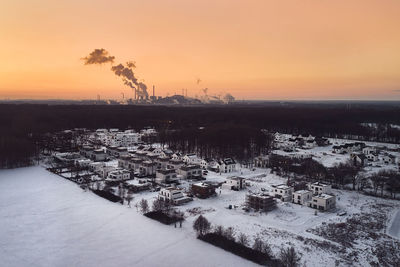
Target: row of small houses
115, 137
202, 190
318, 196
165, 158
291, 142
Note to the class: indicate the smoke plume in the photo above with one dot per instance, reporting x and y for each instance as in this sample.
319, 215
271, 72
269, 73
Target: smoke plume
98, 56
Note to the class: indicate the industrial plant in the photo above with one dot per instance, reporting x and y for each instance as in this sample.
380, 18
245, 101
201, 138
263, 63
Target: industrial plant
139, 89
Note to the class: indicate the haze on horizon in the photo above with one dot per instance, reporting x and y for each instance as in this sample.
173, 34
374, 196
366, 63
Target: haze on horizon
256, 49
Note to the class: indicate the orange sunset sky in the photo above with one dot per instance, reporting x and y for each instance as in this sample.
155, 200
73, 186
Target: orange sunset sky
254, 49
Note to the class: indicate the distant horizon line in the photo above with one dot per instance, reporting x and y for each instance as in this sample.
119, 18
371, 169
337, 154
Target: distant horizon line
237, 100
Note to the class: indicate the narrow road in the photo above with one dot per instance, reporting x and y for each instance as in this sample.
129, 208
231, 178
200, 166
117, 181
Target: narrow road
394, 229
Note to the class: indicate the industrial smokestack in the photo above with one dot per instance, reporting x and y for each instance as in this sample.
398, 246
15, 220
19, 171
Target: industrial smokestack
154, 91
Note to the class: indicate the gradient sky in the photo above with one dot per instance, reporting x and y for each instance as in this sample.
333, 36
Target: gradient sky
254, 49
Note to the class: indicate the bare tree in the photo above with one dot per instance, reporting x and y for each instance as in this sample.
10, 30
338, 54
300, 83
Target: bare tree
229, 233
201, 225
158, 205
258, 244
129, 198
144, 206
243, 240
289, 257
219, 230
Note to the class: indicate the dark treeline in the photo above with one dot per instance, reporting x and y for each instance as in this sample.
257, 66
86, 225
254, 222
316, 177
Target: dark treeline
228, 128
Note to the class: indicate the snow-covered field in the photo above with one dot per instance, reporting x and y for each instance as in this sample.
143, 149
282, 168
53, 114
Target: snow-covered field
48, 221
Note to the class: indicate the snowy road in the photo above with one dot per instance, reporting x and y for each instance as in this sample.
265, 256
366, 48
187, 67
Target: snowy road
394, 229
48, 221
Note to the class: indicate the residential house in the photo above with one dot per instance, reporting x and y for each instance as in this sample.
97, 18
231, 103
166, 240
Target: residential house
320, 188
121, 151
388, 158
234, 183
261, 161
191, 159
176, 156
190, 172
282, 192
358, 159
165, 176
203, 190
302, 196
86, 151
147, 168
167, 153
227, 165
175, 164
112, 151
173, 195
323, 202
119, 175
372, 157
260, 202
99, 155
162, 163
309, 144
205, 163
369, 150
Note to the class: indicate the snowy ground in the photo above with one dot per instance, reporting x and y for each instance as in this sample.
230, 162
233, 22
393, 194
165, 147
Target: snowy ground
289, 224
46, 220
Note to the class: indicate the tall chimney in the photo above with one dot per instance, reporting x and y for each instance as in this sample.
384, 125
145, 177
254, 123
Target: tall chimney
154, 91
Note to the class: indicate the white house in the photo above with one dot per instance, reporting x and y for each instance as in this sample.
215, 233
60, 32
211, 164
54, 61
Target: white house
165, 176
310, 144
173, 195
205, 163
176, 156
261, 161
147, 168
167, 153
118, 175
190, 172
227, 165
121, 151
320, 188
175, 164
337, 149
282, 192
358, 159
372, 157
302, 196
99, 155
388, 159
234, 183
191, 159
106, 170
162, 163
96, 167
125, 162
369, 150
323, 202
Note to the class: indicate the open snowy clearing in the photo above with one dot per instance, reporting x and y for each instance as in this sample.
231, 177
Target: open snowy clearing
48, 221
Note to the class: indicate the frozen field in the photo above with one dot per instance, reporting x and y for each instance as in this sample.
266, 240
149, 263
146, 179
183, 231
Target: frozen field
48, 221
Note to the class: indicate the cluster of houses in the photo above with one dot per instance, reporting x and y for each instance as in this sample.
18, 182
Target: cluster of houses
148, 163
361, 155
139, 160
117, 138
318, 196
289, 143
